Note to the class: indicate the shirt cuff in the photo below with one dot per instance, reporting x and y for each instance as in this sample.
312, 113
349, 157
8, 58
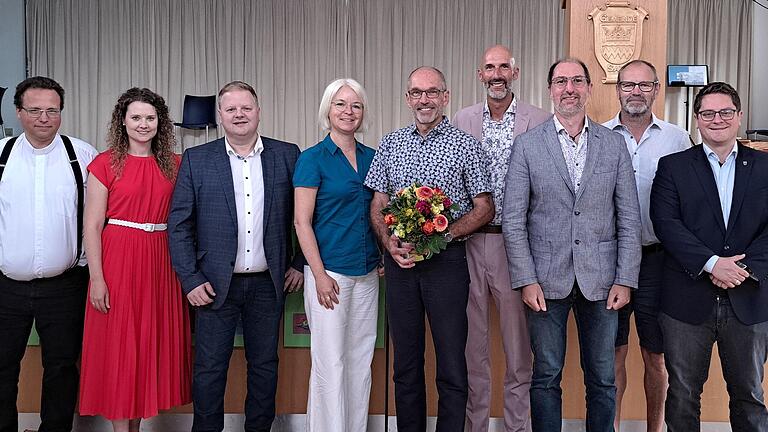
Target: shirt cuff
710, 264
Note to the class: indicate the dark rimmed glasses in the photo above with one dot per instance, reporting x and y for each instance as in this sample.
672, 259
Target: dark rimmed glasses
645, 86
725, 114
431, 93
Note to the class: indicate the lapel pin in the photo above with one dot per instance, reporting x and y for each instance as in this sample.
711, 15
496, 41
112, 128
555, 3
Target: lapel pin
744, 163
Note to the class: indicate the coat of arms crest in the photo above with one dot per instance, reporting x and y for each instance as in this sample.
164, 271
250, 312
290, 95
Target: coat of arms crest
618, 36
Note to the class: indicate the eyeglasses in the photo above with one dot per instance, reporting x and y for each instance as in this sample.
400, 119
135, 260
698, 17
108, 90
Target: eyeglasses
645, 86
431, 93
37, 112
578, 81
341, 106
725, 114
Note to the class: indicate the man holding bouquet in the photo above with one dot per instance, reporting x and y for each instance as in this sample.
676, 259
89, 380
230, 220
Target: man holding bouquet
433, 153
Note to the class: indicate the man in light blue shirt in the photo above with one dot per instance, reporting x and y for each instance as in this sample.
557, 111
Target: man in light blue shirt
709, 207
648, 139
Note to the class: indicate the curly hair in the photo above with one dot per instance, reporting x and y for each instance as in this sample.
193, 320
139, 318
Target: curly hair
162, 143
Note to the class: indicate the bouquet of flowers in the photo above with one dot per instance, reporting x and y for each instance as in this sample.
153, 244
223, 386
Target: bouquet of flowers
419, 215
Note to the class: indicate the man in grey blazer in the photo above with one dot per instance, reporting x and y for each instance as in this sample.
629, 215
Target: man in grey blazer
572, 232
495, 123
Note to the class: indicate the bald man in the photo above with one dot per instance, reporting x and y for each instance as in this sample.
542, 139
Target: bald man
496, 122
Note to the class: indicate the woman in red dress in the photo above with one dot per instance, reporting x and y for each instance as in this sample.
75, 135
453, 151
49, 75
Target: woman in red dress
136, 345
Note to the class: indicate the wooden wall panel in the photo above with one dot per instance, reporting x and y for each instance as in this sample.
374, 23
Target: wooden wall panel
580, 44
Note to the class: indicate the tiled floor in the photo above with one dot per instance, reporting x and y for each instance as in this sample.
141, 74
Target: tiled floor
295, 423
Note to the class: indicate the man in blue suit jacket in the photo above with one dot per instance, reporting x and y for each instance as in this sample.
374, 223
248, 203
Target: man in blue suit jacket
230, 241
709, 207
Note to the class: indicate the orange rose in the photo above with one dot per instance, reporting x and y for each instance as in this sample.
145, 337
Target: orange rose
441, 223
428, 227
390, 219
424, 193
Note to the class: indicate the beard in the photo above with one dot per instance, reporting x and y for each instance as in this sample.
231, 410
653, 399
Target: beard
569, 110
498, 94
635, 107
428, 117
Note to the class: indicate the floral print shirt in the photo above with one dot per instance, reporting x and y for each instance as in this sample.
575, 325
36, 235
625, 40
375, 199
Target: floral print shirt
575, 152
498, 137
447, 158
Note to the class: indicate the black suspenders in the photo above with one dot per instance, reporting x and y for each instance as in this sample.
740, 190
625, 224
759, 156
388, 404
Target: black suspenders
78, 179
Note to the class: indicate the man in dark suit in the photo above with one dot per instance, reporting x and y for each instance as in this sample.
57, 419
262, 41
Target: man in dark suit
709, 207
230, 241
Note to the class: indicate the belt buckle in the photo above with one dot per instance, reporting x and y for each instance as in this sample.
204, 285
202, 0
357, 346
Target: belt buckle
149, 227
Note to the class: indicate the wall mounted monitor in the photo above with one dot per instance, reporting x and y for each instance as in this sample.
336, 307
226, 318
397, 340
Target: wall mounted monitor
687, 75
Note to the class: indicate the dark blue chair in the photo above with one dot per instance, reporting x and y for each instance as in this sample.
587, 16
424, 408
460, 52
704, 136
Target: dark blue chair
2, 125
199, 113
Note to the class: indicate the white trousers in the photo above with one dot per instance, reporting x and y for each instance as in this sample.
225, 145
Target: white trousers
343, 340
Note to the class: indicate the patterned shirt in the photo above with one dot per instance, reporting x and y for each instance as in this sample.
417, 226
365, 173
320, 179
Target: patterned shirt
447, 158
575, 153
497, 143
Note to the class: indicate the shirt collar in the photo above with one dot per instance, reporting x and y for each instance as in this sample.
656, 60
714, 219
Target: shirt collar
257, 149
440, 128
615, 122
709, 152
559, 126
40, 151
512, 108
331, 147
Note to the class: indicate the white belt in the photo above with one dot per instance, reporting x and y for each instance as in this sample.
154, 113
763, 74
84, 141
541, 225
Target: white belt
148, 227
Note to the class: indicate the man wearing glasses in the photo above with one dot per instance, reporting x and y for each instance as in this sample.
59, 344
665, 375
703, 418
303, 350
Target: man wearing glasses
495, 123
43, 273
434, 153
648, 138
571, 225
709, 207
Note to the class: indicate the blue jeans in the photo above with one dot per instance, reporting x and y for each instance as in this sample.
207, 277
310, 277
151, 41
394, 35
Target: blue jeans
597, 335
687, 352
254, 299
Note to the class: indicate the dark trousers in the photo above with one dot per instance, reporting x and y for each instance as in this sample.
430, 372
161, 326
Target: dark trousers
687, 353
645, 303
57, 307
596, 327
253, 299
439, 286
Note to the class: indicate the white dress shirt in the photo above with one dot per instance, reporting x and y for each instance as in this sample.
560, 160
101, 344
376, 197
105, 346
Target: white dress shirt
249, 201
659, 139
38, 209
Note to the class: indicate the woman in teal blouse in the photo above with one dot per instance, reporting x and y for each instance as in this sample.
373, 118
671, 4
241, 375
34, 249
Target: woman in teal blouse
341, 283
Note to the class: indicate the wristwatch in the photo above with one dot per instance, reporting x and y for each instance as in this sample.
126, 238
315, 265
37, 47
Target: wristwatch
448, 237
